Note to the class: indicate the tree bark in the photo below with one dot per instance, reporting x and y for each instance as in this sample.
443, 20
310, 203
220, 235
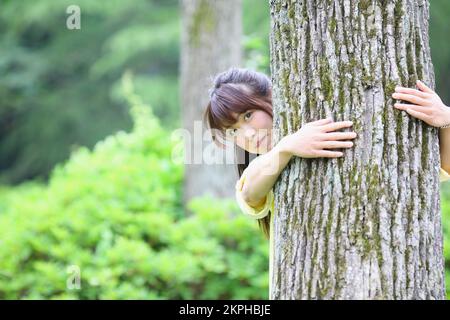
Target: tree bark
368, 225
210, 43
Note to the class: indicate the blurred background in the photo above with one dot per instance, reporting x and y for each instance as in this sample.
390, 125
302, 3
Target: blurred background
91, 203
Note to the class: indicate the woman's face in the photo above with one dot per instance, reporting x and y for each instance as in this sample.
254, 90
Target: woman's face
252, 131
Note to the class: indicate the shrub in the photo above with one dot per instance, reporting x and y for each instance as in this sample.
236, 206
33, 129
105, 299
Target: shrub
115, 214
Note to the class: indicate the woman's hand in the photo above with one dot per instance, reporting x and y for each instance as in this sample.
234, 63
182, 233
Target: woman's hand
312, 140
425, 104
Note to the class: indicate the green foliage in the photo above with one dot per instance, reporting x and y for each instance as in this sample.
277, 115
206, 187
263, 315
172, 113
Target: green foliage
58, 86
440, 49
115, 213
255, 42
55, 89
445, 210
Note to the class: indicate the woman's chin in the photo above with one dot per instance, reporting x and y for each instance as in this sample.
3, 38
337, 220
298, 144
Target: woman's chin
262, 150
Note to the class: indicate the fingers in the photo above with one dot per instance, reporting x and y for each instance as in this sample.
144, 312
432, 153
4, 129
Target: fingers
422, 109
340, 135
418, 115
329, 154
336, 144
414, 92
423, 87
321, 122
337, 125
410, 98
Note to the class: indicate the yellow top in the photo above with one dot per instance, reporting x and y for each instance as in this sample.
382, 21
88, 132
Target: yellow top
261, 212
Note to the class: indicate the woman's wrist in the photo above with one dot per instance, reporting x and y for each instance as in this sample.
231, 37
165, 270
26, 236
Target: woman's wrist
282, 157
282, 149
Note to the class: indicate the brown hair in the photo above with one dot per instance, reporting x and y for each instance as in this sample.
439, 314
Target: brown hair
238, 90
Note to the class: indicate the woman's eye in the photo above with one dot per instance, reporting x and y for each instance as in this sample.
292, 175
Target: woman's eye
247, 116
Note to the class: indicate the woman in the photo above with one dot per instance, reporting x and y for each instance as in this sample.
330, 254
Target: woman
240, 109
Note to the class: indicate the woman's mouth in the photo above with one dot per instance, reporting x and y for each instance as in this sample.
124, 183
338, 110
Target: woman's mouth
260, 141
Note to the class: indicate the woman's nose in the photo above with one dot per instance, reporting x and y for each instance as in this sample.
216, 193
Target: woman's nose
249, 132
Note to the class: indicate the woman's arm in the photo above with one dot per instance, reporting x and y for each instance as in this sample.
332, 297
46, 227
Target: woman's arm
427, 106
262, 173
311, 141
444, 146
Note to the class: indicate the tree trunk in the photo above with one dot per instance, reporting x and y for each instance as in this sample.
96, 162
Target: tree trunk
210, 43
368, 225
